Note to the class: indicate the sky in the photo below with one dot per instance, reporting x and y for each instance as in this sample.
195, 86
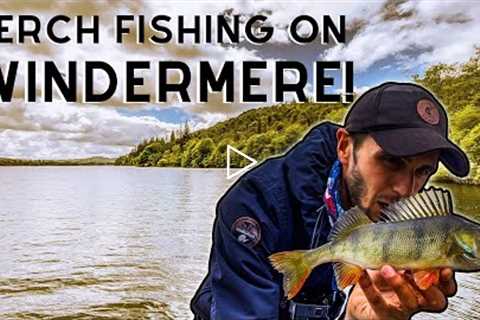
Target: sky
386, 40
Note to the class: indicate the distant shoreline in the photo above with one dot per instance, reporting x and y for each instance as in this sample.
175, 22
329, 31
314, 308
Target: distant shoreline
92, 161
101, 161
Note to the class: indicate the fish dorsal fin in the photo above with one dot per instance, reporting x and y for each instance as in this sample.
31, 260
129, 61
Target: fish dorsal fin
350, 220
430, 203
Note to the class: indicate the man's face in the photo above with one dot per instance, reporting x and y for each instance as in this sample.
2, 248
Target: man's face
375, 179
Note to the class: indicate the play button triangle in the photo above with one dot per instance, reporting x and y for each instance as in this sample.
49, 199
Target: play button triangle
242, 170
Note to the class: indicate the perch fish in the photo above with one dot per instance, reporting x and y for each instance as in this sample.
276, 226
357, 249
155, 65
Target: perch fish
420, 233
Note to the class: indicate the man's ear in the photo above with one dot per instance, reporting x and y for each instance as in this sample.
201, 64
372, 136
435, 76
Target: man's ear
344, 146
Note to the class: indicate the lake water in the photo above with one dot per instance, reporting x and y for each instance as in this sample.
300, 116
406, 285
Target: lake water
123, 243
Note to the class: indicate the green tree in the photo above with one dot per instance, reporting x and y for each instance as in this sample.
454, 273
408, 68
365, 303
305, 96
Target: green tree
187, 156
201, 153
218, 158
172, 137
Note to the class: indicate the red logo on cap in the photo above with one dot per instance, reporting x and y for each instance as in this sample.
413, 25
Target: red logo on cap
428, 111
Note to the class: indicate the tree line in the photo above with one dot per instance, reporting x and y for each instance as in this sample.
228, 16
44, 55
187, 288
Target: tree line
457, 86
267, 131
259, 133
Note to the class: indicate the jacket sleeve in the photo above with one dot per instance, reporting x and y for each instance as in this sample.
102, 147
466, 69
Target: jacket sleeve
243, 282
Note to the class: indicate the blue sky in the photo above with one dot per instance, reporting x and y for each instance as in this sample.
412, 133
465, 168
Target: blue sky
169, 114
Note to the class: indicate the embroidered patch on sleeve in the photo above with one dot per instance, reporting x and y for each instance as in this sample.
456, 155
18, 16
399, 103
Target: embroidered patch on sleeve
247, 231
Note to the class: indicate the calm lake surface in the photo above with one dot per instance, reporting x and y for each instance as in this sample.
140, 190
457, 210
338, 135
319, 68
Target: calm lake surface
125, 243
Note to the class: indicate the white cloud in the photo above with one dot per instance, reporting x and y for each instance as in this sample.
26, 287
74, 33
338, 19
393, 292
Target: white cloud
68, 131
435, 32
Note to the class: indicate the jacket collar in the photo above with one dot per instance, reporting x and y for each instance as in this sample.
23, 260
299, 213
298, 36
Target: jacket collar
307, 167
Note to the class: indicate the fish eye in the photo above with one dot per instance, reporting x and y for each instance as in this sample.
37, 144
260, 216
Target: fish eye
469, 251
470, 255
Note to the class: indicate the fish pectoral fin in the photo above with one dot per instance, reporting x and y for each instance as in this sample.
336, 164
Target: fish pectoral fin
346, 274
426, 278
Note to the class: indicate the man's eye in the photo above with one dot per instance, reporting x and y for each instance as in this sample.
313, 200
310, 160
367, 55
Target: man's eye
424, 172
393, 161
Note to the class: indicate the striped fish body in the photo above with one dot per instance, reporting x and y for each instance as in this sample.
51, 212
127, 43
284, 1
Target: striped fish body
423, 243
420, 233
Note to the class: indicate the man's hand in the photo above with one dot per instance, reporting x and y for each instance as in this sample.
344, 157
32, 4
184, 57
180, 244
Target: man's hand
388, 294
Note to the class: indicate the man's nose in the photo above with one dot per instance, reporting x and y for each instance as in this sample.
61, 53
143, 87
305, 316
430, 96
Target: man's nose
404, 185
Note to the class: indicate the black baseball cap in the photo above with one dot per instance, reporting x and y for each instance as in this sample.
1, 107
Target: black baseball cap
406, 119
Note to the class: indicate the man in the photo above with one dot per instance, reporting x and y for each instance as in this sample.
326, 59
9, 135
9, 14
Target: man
394, 136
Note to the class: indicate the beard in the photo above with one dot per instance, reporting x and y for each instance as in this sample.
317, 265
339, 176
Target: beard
356, 189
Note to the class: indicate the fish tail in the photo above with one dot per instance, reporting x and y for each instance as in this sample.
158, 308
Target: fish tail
296, 266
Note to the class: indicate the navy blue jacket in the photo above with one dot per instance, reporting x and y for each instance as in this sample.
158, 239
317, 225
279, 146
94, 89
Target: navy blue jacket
283, 195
